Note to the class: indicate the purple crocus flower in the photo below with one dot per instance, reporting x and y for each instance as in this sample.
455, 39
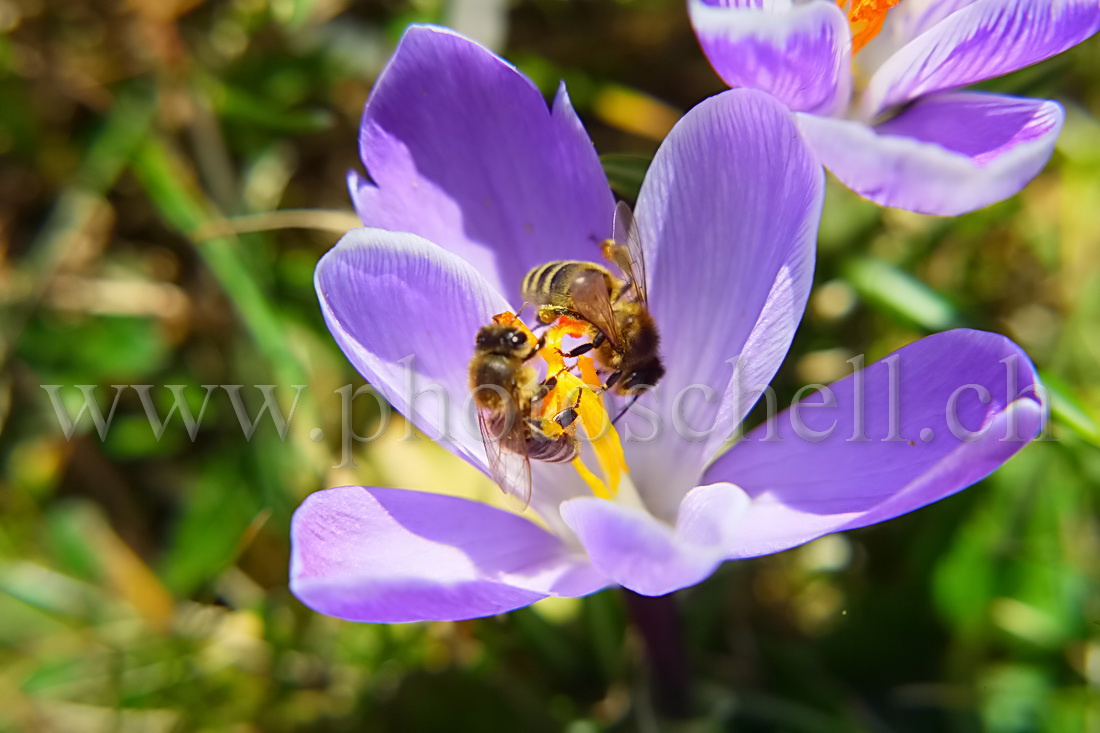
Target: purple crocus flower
889, 120
473, 181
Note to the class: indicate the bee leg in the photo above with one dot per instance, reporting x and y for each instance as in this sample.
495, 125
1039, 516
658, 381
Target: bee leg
612, 380
585, 348
566, 417
545, 388
569, 415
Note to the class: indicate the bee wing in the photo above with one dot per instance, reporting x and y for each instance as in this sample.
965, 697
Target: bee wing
627, 253
506, 451
592, 302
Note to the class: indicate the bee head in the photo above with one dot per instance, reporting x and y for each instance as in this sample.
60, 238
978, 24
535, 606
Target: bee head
503, 340
643, 376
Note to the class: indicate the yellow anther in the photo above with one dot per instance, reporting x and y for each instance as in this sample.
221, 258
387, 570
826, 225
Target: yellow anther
605, 438
578, 393
597, 487
573, 402
552, 352
865, 18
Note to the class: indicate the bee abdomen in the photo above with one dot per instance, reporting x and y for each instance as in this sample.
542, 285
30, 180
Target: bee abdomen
536, 283
561, 450
553, 283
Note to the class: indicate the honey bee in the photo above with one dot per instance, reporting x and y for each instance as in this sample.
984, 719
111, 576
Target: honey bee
622, 331
505, 390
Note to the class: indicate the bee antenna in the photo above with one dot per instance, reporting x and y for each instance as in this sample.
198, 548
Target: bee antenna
628, 406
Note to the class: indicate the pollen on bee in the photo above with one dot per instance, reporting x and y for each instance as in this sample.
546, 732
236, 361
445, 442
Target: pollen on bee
865, 18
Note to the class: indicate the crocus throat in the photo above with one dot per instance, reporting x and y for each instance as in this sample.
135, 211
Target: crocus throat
581, 394
865, 18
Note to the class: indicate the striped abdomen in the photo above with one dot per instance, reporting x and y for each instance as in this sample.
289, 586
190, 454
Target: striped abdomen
541, 448
552, 284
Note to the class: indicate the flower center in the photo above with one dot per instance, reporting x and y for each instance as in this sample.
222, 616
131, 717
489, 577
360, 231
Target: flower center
865, 18
579, 393
579, 396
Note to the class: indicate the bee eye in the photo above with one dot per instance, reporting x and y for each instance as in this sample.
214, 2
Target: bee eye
518, 339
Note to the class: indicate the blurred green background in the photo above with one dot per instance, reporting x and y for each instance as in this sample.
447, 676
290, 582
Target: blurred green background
145, 145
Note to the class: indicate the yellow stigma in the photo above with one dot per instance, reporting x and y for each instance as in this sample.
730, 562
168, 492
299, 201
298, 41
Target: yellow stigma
578, 393
865, 17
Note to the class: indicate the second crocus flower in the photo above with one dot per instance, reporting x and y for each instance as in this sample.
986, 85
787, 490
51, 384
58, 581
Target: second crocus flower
875, 85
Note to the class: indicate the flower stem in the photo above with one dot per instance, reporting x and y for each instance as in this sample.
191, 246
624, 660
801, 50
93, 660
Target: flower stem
657, 620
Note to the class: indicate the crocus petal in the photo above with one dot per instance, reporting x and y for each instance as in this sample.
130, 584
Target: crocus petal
463, 150
639, 552
903, 23
913, 17
800, 55
389, 556
984, 40
405, 313
728, 215
948, 154
921, 432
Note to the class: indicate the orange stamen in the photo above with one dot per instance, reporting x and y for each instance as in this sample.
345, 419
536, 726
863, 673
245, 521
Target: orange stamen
571, 326
866, 18
588, 372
